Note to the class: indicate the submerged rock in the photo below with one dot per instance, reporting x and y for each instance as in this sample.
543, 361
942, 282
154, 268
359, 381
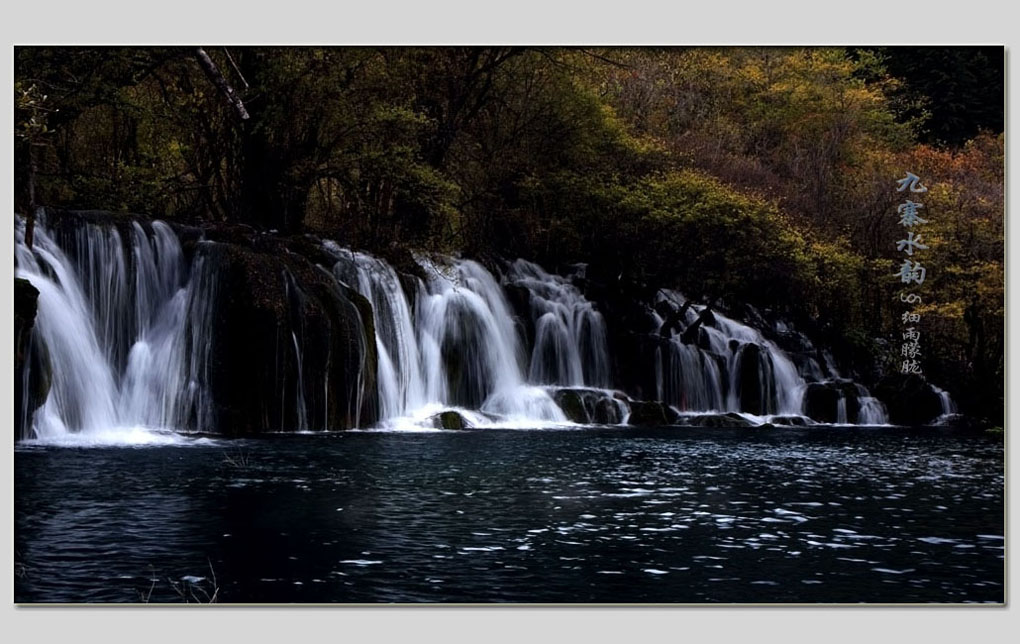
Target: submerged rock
728, 419
591, 406
449, 419
790, 421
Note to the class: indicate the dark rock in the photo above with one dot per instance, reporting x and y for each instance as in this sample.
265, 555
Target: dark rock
402, 260
751, 364
651, 413
790, 421
909, 399
821, 401
694, 333
32, 370
572, 405
728, 419
606, 412
268, 299
672, 318
965, 423
590, 406
634, 362
26, 300
519, 298
449, 419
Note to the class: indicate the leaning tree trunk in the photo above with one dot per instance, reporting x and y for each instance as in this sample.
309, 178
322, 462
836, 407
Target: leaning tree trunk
217, 79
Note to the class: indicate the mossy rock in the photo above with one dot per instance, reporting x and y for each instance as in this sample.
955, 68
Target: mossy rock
449, 419
267, 299
589, 406
572, 404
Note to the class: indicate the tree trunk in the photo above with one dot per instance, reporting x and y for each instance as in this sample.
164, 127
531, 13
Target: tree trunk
30, 219
214, 75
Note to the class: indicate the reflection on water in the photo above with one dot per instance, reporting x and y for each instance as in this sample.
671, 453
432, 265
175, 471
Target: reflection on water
600, 515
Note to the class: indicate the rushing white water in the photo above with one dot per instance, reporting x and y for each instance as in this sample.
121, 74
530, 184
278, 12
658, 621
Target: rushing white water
458, 350
122, 328
570, 334
450, 344
401, 375
470, 347
948, 406
870, 410
697, 377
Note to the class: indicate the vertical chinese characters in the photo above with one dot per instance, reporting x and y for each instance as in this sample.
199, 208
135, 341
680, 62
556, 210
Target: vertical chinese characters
911, 271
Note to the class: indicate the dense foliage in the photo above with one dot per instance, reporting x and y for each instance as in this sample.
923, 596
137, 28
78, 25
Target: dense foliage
759, 175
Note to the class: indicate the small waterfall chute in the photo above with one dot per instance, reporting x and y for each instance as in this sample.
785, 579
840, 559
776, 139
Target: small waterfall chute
570, 346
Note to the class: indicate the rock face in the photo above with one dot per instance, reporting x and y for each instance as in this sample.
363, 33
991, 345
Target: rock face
290, 346
31, 386
909, 399
751, 364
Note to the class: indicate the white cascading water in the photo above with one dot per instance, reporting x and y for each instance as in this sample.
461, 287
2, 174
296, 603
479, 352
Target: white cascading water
871, 410
466, 324
693, 379
570, 334
948, 406
459, 349
841, 417
451, 343
401, 377
122, 326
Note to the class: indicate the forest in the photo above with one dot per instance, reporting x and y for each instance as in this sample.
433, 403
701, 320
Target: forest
758, 175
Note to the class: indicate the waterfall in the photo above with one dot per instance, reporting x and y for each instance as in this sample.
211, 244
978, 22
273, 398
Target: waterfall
401, 376
870, 410
707, 375
122, 321
948, 406
570, 334
458, 349
472, 351
841, 418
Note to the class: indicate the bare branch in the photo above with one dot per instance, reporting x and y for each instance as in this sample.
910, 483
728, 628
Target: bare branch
236, 68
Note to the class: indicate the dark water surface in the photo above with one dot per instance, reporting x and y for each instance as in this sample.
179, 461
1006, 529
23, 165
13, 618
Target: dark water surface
588, 515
